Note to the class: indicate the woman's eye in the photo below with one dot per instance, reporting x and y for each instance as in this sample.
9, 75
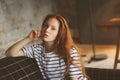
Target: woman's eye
53, 28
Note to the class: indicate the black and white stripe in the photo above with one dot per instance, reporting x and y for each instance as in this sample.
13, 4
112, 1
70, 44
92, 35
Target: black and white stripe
52, 65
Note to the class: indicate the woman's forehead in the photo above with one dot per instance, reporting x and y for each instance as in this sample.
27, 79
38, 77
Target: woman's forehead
52, 21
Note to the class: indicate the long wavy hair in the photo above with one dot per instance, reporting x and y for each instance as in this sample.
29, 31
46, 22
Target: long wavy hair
63, 42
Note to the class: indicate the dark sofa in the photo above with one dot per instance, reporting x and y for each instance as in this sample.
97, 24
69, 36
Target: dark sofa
19, 68
23, 68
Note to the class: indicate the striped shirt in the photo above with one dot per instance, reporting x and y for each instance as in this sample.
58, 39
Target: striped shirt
53, 66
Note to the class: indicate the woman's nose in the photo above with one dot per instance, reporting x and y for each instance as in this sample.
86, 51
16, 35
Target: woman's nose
47, 29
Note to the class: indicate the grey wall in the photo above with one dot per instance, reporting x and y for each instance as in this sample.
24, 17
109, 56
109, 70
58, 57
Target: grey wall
19, 17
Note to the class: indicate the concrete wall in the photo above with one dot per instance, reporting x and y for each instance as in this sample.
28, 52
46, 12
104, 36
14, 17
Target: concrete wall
19, 17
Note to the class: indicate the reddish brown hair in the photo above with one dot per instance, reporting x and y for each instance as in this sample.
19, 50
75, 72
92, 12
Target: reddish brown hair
63, 42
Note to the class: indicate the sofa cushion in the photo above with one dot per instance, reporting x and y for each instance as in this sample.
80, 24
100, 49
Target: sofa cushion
19, 68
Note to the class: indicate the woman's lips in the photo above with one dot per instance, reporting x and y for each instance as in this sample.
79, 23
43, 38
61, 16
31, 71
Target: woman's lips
45, 35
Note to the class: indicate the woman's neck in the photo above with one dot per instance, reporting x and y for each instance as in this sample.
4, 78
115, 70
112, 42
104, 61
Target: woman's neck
48, 46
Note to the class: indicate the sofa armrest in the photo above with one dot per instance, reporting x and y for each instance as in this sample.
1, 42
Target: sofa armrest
19, 68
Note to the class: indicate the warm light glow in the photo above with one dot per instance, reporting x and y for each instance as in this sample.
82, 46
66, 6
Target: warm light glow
114, 19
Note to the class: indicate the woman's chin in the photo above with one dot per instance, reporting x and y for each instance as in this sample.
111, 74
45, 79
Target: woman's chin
46, 40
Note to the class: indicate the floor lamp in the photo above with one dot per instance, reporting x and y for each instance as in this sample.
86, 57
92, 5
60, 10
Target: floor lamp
95, 56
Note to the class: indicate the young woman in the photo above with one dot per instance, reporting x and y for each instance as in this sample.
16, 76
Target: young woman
57, 55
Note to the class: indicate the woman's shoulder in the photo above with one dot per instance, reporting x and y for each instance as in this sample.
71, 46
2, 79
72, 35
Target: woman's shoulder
75, 54
73, 49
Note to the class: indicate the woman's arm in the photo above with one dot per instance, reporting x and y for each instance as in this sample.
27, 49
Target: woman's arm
16, 49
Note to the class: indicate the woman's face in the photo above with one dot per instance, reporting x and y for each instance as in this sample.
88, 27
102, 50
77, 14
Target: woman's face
50, 30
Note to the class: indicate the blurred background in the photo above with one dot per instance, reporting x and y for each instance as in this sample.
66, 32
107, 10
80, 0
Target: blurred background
19, 17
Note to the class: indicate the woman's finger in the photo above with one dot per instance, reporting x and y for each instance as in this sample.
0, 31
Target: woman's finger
35, 34
38, 34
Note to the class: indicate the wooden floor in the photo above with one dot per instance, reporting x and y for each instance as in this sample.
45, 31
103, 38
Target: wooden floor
108, 50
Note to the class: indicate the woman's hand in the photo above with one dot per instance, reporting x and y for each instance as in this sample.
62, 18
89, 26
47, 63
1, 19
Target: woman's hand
34, 35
